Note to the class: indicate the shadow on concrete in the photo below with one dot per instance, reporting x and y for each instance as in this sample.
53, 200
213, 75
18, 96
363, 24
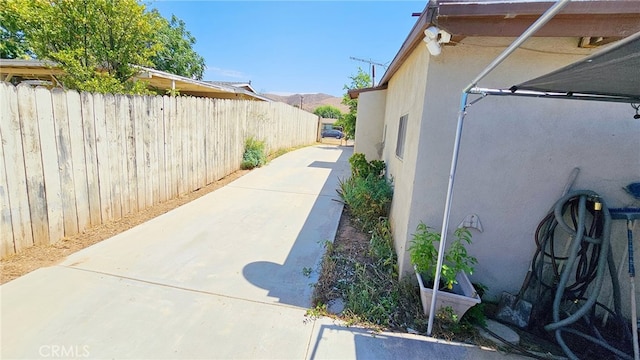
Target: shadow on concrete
370, 345
292, 282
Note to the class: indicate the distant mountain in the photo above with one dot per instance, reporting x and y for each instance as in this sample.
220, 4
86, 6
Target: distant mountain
309, 101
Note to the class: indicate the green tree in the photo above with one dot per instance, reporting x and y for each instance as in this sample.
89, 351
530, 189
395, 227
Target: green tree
98, 42
13, 44
328, 112
348, 121
176, 54
94, 41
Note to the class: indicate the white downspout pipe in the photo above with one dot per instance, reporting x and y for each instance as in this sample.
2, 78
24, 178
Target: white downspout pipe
542, 20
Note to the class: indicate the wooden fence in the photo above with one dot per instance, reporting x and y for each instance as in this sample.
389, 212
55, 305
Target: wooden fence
70, 161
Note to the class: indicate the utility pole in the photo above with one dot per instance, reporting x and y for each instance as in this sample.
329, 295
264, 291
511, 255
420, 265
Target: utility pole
373, 68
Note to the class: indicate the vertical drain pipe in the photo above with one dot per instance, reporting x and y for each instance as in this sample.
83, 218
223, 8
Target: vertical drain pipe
542, 20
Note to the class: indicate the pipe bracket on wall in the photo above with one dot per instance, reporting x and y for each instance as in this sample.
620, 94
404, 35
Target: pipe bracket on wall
471, 221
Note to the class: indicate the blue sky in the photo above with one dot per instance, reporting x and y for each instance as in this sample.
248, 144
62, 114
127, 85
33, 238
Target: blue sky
294, 46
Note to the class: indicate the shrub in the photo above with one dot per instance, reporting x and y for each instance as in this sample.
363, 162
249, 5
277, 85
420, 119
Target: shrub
368, 198
360, 167
254, 154
367, 192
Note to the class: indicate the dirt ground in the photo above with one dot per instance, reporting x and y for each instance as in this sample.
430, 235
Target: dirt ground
46, 255
350, 243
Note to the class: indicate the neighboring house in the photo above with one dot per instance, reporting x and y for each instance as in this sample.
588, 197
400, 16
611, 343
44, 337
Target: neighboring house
38, 72
516, 153
328, 123
244, 85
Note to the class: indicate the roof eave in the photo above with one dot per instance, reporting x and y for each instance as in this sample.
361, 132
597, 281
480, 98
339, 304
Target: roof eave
462, 18
355, 93
411, 42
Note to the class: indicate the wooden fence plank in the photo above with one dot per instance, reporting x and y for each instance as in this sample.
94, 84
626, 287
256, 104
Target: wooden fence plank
33, 164
203, 118
152, 120
190, 128
130, 145
91, 158
146, 144
113, 153
65, 162
208, 141
138, 123
170, 152
15, 172
6, 229
218, 131
196, 131
102, 155
224, 127
7, 246
50, 167
78, 162
179, 146
197, 144
185, 146
195, 122
162, 147
122, 115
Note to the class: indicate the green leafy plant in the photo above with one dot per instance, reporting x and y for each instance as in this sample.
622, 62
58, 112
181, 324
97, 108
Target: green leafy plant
316, 312
254, 154
360, 167
368, 198
367, 192
424, 255
381, 246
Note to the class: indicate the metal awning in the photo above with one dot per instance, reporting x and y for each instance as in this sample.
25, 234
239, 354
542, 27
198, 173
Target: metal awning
613, 72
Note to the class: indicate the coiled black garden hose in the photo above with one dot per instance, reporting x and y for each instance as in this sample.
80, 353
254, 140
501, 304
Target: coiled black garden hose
577, 277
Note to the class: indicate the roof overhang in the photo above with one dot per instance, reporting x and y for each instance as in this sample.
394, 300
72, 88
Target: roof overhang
355, 93
32, 69
609, 19
596, 18
163, 80
156, 79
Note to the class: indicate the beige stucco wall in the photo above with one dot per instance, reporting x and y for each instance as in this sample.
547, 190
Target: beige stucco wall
516, 153
405, 96
371, 111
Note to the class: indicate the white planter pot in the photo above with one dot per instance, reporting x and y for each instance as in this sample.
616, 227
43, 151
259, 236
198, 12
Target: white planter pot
463, 298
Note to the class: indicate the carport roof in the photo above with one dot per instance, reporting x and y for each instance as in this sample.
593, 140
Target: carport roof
37, 69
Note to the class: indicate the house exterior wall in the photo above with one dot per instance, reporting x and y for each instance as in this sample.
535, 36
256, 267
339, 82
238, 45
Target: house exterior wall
371, 111
405, 95
515, 157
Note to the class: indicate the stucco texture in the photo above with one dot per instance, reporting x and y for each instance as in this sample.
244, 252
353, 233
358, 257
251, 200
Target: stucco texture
371, 105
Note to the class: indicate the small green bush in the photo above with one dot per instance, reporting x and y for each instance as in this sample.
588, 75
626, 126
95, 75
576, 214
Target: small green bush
367, 192
360, 167
424, 255
368, 198
254, 154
